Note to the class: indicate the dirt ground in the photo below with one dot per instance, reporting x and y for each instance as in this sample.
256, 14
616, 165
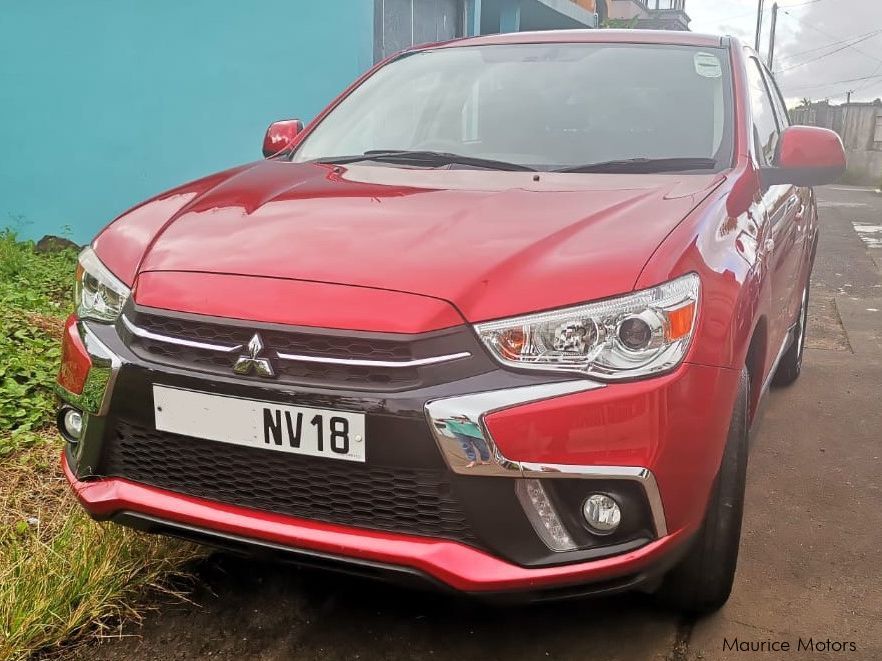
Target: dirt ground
808, 575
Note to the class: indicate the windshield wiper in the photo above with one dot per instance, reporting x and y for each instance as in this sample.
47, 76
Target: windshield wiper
645, 165
426, 158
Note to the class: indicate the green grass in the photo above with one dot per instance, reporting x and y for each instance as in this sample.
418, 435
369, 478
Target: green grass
62, 576
35, 295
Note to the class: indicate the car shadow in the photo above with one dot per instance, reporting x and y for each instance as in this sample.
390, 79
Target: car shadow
244, 607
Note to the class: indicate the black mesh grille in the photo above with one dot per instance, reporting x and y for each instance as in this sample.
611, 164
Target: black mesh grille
410, 501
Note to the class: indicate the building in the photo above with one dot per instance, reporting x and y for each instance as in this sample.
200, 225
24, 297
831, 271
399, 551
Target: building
401, 23
103, 104
860, 127
648, 14
598, 7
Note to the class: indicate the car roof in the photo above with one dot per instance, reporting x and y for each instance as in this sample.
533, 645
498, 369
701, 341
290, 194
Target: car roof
670, 37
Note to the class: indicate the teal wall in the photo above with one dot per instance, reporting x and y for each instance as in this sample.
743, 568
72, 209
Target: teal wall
106, 102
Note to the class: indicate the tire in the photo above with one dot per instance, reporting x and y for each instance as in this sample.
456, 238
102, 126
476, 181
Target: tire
791, 362
702, 581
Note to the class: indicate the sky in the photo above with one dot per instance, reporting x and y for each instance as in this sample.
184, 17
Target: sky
824, 48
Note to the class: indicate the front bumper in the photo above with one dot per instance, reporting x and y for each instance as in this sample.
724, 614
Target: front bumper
452, 564
505, 549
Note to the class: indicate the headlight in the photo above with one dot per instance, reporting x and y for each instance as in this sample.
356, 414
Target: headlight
628, 337
100, 295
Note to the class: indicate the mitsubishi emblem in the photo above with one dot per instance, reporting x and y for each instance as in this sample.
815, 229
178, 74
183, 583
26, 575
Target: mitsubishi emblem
262, 366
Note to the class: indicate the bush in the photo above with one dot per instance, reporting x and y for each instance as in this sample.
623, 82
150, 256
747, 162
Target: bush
35, 296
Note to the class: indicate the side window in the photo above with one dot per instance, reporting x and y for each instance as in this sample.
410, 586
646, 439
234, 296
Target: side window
765, 126
777, 99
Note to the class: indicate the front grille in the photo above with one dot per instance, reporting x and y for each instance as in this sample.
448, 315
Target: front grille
320, 343
166, 338
410, 501
296, 342
351, 376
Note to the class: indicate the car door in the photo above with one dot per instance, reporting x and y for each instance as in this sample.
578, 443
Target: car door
780, 204
797, 232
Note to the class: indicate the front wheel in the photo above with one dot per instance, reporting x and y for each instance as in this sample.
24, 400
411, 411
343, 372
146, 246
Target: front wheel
701, 583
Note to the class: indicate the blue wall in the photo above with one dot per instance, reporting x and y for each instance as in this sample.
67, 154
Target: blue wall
106, 102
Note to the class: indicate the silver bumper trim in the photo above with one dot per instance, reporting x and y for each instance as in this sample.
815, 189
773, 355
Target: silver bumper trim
95, 397
467, 413
634, 473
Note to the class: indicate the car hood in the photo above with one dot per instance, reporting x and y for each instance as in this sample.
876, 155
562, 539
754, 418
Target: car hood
491, 243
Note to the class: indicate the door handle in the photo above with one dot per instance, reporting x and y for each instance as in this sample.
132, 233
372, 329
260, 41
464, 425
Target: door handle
791, 203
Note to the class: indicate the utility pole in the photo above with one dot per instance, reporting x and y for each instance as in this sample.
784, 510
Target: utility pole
845, 115
759, 24
772, 36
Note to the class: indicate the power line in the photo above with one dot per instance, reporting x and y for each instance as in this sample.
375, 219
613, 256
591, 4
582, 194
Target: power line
833, 52
824, 47
837, 90
829, 35
833, 83
867, 84
801, 4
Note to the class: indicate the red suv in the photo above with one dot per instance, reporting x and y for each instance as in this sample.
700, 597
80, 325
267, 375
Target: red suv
499, 319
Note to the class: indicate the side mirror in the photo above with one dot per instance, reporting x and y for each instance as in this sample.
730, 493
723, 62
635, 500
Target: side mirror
280, 135
807, 156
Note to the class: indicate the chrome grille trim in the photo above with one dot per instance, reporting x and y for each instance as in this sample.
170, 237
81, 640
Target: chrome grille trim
193, 344
357, 362
326, 360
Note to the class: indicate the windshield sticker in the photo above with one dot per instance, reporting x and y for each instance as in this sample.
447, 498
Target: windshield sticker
708, 65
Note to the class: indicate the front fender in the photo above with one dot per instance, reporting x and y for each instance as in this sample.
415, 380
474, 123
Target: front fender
724, 244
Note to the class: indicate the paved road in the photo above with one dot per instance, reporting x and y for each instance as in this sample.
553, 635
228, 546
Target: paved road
810, 563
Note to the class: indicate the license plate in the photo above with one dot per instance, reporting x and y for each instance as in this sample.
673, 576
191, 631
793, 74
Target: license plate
294, 429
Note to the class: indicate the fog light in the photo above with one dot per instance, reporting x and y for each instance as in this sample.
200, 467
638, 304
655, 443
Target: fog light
602, 513
72, 424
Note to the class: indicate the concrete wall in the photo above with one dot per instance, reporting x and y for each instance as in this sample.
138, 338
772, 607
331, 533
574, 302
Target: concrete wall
106, 102
856, 124
865, 167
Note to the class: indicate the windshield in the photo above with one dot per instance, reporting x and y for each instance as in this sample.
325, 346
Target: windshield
545, 106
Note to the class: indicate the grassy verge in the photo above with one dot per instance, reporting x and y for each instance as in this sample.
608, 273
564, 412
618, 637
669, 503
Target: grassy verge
62, 576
